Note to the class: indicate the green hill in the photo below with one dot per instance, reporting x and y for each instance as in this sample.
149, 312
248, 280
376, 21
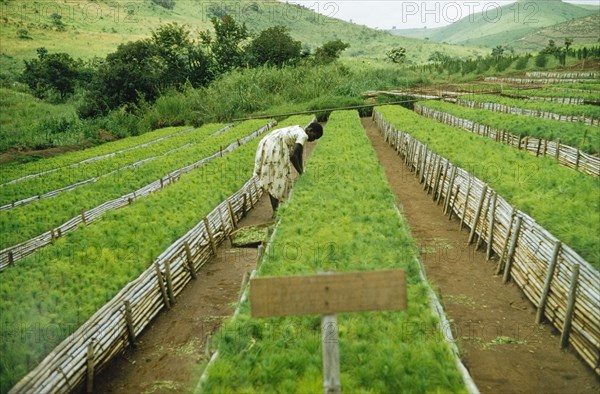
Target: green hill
86, 28
583, 31
504, 25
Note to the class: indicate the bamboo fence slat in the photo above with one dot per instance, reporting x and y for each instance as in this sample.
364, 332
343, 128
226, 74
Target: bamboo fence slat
566, 155
533, 254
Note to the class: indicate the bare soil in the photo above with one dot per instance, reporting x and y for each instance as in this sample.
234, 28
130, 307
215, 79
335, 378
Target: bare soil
505, 351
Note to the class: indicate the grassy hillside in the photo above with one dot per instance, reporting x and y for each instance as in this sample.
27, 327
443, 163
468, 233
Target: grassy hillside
505, 25
583, 31
95, 28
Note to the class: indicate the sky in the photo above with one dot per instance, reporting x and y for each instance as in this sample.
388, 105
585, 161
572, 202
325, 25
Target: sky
409, 14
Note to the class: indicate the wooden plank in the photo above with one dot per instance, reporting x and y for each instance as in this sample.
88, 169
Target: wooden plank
328, 294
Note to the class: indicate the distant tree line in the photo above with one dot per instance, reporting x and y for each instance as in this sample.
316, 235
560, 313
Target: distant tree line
502, 57
138, 72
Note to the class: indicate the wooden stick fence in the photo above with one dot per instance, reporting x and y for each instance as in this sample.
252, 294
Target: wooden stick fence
12, 254
117, 324
528, 81
497, 107
561, 100
565, 155
529, 254
579, 74
100, 157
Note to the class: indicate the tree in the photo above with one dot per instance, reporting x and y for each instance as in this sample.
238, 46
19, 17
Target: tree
185, 61
330, 51
226, 45
396, 55
550, 49
49, 74
274, 46
568, 43
498, 51
128, 76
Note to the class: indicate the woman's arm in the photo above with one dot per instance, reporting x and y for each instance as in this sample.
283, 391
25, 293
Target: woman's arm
296, 158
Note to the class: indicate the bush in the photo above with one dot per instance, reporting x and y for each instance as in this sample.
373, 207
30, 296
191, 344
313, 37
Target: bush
541, 60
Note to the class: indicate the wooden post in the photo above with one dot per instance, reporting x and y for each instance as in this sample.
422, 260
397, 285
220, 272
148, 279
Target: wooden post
244, 206
189, 259
462, 219
451, 210
438, 178
11, 258
331, 355
483, 218
506, 241
89, 388
557, 153
161, 183
423, 167
441, 185
539, 145
426, 173
250, 197
450, 187
169, 282
161, 285
511, 251
213, 246
129, 322
544, 297
491, 228
566, 331
231, 215
478, 213
83, 217
577, 159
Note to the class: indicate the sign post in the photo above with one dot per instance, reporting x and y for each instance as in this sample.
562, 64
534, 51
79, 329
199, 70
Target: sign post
328, 294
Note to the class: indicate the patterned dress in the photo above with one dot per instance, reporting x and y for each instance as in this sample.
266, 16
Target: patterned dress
272, 164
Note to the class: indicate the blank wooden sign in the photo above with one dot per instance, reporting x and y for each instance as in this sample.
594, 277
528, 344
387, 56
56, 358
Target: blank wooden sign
327, 294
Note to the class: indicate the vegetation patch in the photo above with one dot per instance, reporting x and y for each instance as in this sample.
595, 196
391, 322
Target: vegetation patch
349, 224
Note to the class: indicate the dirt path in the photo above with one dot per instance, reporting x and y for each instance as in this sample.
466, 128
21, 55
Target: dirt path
494, 324
171, 353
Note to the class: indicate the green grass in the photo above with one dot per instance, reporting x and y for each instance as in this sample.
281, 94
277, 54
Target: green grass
563, 201
348, 223
22, 223
576, 134
49, 294
24, 122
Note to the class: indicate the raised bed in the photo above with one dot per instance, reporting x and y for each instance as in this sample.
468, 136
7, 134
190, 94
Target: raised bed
341, 217
559, 282
564, 154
